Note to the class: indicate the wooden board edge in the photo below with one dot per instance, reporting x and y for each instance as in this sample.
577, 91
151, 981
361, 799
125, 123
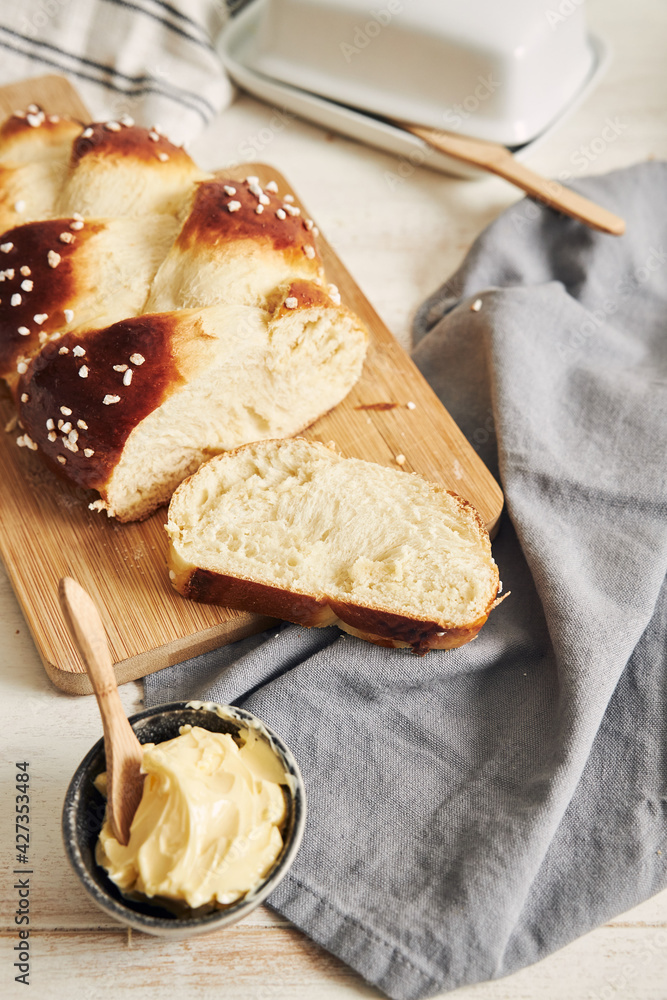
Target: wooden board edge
137, 667
46, 90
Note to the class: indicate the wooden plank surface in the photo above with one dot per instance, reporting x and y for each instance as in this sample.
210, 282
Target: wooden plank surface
47, 531
251, 962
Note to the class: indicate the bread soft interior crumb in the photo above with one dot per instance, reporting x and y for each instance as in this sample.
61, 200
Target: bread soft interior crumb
306, 520
258, 377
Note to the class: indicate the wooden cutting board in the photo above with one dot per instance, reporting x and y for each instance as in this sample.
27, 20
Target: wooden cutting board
47, 531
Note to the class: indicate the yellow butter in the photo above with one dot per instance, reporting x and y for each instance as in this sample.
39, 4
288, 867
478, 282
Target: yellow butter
207, 829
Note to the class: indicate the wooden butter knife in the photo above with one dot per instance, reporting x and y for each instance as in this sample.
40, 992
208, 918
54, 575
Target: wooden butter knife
498, 160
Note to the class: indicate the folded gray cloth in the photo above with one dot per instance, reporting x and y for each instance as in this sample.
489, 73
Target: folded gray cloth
151, 59
473, 810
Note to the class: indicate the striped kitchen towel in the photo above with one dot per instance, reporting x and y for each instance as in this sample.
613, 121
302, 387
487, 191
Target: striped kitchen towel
151, 59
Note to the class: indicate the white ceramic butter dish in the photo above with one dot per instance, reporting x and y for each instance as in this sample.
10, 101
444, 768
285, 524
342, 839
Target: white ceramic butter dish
241, 44
497, 71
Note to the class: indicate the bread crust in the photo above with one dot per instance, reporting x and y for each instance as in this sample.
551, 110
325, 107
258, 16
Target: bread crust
49, 294
208, 587
211, 225
376, 624
28, 135
164, 353
53, 382
381, 627
67, 353
128, 143
119, 169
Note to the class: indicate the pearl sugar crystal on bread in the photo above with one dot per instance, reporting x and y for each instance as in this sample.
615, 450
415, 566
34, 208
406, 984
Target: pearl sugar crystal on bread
175, 314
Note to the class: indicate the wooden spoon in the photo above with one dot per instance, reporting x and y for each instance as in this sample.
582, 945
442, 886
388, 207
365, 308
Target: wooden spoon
497, 159
122, 748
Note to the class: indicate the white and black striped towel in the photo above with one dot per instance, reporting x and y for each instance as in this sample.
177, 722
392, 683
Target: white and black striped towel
151, 59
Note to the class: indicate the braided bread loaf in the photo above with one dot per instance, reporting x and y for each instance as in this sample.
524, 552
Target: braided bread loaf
152, 315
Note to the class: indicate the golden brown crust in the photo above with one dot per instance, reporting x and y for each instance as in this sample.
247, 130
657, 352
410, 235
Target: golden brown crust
400, 630
211, 223
451, 639
208, 587
23, 131
308, 295
129, 142
465, 505
53, 381
382, 628
25, 262
107, 171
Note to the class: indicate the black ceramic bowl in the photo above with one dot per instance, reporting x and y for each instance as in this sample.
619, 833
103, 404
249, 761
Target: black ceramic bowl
83, 815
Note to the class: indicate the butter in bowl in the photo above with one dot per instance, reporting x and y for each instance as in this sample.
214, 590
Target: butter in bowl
220, 821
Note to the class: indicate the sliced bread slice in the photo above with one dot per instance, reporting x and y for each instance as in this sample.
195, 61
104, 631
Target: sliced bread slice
294, 530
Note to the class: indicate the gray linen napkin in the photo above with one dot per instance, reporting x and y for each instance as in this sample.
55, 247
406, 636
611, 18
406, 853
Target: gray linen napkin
473, 810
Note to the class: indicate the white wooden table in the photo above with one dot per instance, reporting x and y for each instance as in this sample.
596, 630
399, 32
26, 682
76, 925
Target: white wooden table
399, 243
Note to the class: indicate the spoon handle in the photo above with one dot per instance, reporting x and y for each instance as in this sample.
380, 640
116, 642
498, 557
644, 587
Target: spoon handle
122, 748
498, 160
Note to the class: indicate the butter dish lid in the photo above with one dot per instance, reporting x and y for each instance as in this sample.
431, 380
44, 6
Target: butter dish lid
238, 42
500, 72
